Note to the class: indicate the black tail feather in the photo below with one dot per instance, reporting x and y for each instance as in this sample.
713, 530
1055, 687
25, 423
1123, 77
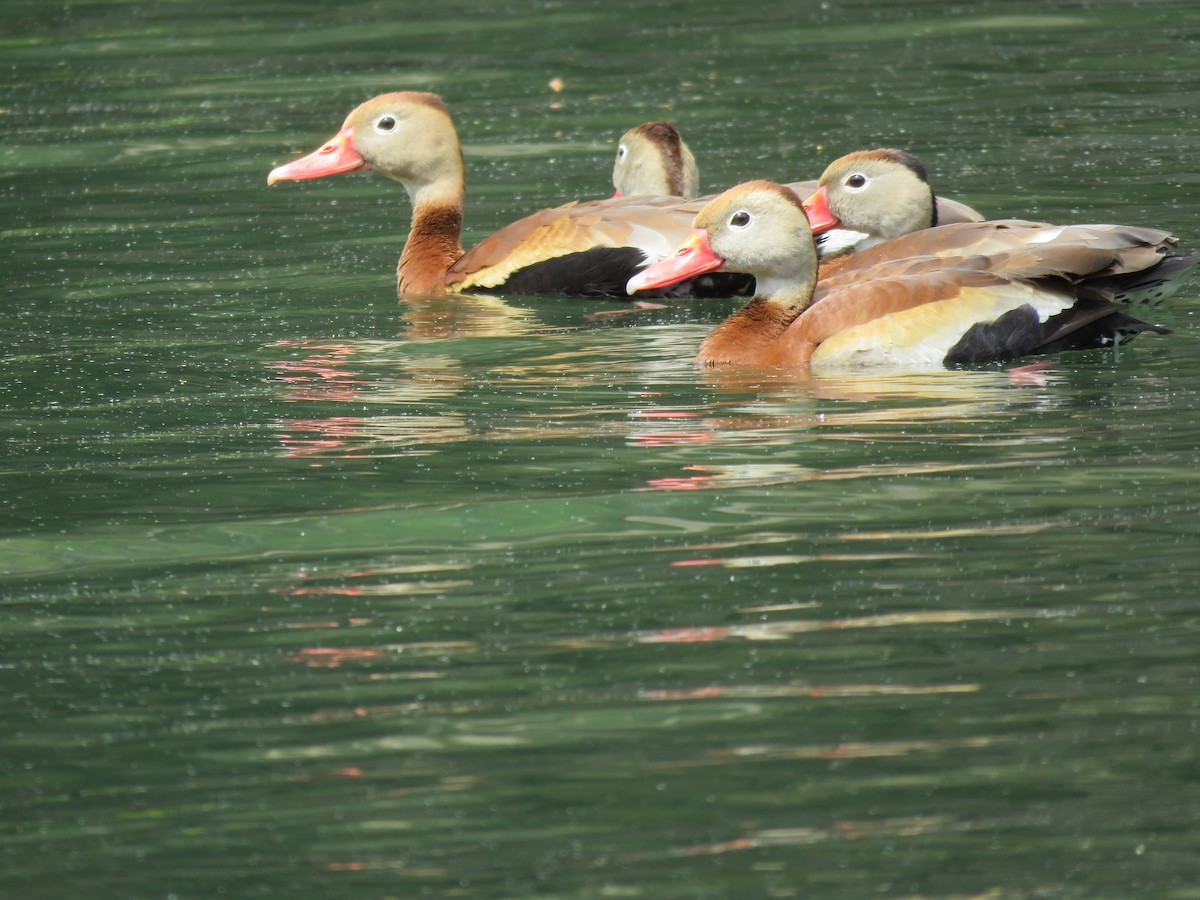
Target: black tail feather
1149, 287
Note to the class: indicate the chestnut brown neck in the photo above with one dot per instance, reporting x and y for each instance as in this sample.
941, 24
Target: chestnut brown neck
433, 246
746, 337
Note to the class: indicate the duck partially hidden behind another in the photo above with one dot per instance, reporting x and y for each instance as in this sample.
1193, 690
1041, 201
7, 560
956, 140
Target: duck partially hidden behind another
653, 160
952, 295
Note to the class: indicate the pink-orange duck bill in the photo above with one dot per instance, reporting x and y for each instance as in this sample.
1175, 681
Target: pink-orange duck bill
333, 157
694, 257
820, 216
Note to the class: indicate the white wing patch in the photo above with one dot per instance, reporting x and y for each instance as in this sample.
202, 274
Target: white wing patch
1045, 237
839, 240
654, 243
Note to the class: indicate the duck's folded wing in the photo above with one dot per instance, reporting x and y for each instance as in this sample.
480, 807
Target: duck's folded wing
1026, 249
963, 325
651, 227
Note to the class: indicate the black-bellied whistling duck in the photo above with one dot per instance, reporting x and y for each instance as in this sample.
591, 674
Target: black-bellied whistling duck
653, 160
580, 249
878, 194
1037, 288
870, 196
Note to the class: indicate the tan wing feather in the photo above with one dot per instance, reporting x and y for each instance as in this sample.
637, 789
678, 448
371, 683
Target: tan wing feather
653, 225
888, 288
1020, 249
921, 336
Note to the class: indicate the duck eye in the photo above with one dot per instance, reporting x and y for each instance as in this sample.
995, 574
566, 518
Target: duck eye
740, 219
856, 181
384, 124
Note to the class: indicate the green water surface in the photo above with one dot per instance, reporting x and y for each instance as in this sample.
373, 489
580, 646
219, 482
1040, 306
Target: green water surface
305, 592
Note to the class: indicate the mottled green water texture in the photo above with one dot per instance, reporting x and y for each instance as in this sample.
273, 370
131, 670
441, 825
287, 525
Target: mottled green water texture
305, 592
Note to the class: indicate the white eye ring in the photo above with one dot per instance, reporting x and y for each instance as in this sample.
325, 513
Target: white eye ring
386, 123
856, 181
621, 151
740, 219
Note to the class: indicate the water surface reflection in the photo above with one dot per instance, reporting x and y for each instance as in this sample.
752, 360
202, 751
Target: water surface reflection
636, 386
